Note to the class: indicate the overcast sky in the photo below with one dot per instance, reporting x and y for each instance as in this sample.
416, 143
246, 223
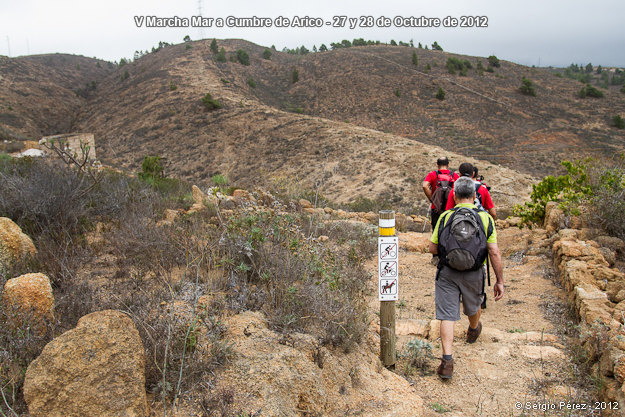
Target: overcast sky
529, 32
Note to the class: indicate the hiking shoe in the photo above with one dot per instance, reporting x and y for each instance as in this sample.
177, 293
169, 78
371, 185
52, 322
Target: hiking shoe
473, 334
445, 369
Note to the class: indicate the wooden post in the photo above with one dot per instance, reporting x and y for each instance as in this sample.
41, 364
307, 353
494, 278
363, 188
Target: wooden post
388, 354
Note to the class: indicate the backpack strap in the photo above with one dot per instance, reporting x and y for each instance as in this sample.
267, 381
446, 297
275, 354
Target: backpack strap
442, 222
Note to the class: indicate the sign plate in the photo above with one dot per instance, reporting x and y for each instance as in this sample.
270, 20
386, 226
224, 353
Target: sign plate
388, 268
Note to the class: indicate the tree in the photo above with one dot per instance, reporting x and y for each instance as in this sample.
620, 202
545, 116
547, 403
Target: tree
393, 42
415, 60
323, 48
590, 91
493, 61
436, 46
314, 48
599, 69
187, 38
267, 53
420, 46
214, 49
618, 122
221, 57
411, 43
589, 68
243, 57
294, 75
527, 87
440, 94
210, 103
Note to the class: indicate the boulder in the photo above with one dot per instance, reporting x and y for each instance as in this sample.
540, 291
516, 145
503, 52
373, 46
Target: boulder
414, 242
14, 244
554, 217
303, 203
241, 194
610, 242
29, 297
95, 369
514, 221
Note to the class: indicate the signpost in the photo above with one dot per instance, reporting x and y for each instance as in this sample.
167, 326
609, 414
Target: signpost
388, 291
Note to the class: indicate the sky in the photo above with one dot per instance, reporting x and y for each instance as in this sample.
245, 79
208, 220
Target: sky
530, 32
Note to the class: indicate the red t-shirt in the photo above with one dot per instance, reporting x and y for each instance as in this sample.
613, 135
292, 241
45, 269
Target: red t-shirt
487, 202
431, 178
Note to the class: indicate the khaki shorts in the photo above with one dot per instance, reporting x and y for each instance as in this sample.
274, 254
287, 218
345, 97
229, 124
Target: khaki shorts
450, 285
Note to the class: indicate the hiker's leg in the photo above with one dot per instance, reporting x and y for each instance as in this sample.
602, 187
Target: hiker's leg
474, 319
447, 336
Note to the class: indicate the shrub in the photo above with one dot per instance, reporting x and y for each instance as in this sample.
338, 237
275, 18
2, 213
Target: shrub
221, 56
397, 93
415, 60
527, 87
590, 91
243, 57
219, 180
493, 61
251, 82
124, 76
172, 86
440, 94
214, 48
418, 353
618, 122
436, 46
454, 64
210, 103
623, 89
267, 53
294, 75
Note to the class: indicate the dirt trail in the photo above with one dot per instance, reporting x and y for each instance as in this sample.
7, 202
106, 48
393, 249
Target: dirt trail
521, 355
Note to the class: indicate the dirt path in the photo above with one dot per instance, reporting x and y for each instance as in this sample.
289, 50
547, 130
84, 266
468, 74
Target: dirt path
521, 355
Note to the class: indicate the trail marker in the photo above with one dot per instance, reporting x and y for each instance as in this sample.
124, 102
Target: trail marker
388, 291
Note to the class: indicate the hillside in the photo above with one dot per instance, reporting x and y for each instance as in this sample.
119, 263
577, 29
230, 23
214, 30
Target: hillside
369, 127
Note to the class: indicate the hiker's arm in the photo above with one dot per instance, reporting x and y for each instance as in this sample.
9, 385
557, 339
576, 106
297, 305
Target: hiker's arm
493, 213
427, 189
433, 248
495, 261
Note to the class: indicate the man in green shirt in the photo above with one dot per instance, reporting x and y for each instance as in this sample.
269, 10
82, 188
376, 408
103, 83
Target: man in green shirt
451, 283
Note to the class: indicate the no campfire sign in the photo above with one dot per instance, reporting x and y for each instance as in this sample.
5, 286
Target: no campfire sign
388, 268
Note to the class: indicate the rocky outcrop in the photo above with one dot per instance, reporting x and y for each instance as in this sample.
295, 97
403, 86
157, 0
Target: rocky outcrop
14, 244
597, 293
28, 299
95, 369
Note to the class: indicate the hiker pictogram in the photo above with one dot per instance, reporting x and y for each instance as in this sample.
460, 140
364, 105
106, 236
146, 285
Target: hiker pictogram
388, 251
388, 269
388, 286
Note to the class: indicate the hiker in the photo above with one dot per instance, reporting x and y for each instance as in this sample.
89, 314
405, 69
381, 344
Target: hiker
460, 270
437, 187
483, 199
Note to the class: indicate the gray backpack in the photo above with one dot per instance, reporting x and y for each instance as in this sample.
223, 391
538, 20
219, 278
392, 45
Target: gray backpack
462, 240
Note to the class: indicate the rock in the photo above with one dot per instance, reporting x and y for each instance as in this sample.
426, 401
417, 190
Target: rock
14, 244
309, 210
414, 242
541, 352
328, 210
534, 337
608, 254
198, 196
241, 194
610, 242
570, 234
95, 369
618, 297
514, 221
303, 203
618, 360
412, 327
554, 217
501, 224
588, 233
29, 297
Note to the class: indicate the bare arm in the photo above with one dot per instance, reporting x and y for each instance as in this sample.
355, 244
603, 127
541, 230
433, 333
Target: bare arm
493, 213
495, 260
427, 189
433, 248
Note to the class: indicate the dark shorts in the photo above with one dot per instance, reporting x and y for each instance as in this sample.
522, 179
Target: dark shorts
434, 215
450, 285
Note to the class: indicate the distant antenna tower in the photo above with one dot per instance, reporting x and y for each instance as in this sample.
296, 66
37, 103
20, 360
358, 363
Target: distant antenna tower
199, 13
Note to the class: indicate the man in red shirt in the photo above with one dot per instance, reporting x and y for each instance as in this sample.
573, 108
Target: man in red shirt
441, 176
482, 194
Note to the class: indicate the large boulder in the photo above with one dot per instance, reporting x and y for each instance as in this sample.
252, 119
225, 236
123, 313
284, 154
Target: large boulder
29, 298
95, 369
14, 244
554, 217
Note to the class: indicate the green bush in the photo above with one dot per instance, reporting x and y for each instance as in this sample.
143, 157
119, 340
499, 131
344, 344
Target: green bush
221, 56
210, 103
251, 82
415, 60
124, 76
623, 89
590, 91
219, 180
397, 93
527, 87
243, 57
440, 94
618, 122
493, 61
436, 46
214, 48
294, 75
172, 86
267, 53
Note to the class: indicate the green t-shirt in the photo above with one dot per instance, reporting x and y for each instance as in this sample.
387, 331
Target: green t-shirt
486, 218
